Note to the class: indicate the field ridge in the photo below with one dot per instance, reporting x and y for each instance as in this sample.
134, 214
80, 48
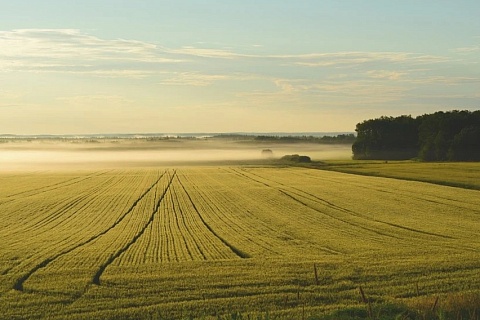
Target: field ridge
235, 250
19, 283
101, 269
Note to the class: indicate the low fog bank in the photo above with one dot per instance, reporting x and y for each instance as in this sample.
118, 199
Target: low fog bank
59, 155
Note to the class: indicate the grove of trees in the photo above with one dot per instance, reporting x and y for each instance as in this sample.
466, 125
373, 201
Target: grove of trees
441, 136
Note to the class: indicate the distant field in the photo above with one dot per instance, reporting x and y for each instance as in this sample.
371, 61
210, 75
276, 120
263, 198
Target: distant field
457, 174
205, 242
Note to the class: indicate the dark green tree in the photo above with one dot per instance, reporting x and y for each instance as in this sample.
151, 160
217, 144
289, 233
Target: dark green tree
386, 138
441, 136
466, 145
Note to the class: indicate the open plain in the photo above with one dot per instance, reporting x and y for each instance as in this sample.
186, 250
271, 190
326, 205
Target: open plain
223, 240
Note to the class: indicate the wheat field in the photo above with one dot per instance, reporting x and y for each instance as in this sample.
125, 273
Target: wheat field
204, 242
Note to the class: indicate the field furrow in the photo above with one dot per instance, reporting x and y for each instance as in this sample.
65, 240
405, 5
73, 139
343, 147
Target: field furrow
97, 227
375, 204
347, 217
43, 207
201, 242
124, 248
178, 233
238, 213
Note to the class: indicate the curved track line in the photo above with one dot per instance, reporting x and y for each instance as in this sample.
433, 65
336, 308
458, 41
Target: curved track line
111, 259
333, 206
57, 186
238, 252
18, 286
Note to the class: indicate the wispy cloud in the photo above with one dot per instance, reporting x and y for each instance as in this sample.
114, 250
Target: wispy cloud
386, 74
68, 43
359, 58
266, 78
72, 51
450, 80
207, 53
201, 79
67, 50
328, 93
468, 49
95, 100
192, 79
315, 59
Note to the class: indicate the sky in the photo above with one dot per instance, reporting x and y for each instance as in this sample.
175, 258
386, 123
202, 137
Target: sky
177, 66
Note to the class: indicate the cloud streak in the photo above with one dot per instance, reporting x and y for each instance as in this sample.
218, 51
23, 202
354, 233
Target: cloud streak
44, 50
68, 43
71, 51
193, 79
361, 58
242, 80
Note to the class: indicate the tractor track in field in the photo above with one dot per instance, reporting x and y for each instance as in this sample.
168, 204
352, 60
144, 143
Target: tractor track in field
300, 192
335, 207
386, 223
236, 251
18, 286
65, 206
53, 187
213, 204
336, 218
409, 193
112, 258
179, 213
289, 194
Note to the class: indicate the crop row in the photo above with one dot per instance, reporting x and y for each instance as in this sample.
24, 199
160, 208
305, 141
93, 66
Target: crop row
69, 221
415, 214
90, 245
177, 233
305, 212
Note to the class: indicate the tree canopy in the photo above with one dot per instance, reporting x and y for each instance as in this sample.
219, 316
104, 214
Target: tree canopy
441, 136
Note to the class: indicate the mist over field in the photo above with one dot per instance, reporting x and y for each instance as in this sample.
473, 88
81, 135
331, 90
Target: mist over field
52, 154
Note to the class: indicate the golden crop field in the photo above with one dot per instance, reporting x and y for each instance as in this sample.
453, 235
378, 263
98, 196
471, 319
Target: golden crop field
458, 174
207, 242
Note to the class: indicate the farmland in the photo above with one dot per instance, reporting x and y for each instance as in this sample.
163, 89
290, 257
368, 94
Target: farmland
456, 174
207, 241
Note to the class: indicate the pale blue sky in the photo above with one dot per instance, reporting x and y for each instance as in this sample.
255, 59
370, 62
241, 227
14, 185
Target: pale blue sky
227, 66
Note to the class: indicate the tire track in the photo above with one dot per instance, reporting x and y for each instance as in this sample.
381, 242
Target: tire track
327, 203
405, 192
65, 206
94, 194
18, 286
56, 185
213, 198
379, 221
204, 242
333, 206
177, 209
56, 224
416, 230
112, 258
149, 243
451, 202
238, 252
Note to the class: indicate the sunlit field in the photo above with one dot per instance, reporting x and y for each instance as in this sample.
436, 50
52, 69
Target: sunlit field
457, 174
223, 241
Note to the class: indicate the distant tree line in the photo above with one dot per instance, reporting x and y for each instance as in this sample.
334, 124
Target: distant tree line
338, 139
441, 136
